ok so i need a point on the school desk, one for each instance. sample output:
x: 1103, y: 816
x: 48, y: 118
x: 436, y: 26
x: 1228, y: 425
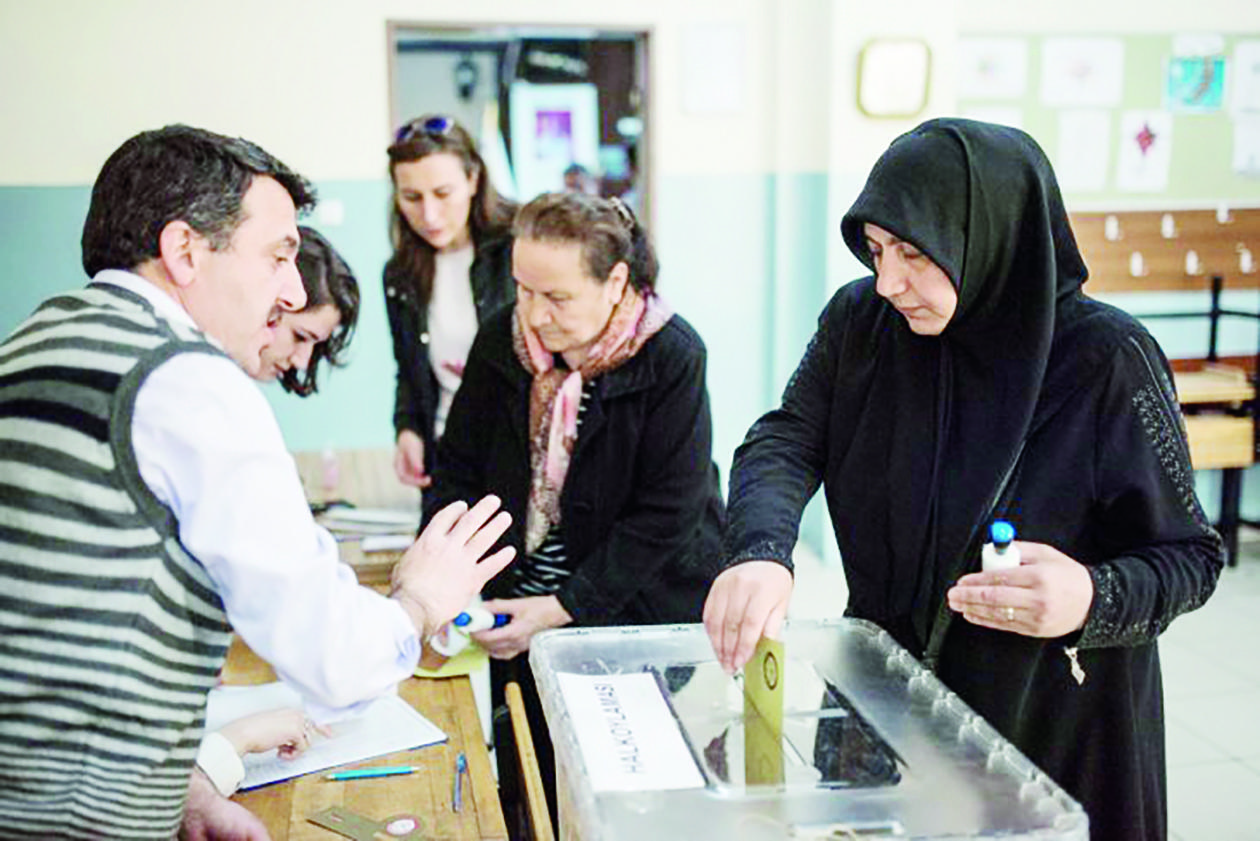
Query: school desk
x: 427, y: 794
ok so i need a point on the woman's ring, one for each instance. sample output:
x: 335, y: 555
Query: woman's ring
x: 1010, y: 614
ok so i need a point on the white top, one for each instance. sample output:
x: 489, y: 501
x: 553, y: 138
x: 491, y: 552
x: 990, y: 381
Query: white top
x: 219, y: 761
x: 208, y: 446
x: 452, y: 326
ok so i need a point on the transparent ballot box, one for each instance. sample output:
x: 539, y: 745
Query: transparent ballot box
x: 654, y: 741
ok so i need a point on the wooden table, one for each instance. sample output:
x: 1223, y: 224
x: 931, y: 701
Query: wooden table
x: 448, y: 703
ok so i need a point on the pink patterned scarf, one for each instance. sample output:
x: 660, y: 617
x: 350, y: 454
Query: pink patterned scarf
x: 555, y: 396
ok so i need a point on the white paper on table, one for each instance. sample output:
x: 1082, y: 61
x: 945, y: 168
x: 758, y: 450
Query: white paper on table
x: 1084, y: 149
x: 1082, y: 72
x: 629, y: 739
x: 369, y: 520
x: 386, y: 725
x: 387, y: 542
x: 1145, y: 151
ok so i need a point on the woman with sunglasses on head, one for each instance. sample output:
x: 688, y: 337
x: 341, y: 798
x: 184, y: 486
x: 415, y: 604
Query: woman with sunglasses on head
x: 322, y: 329
x: 450, y: 269
x: 585, y: 409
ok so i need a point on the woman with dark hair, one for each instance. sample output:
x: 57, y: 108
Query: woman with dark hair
x: 585, y: 409
x: 323, y: 328
x: 970, y: 378
x: 450, y: 269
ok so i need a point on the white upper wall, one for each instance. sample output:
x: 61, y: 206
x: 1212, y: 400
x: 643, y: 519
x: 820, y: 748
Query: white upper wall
x: 1124, y: 17
x: 308, y: 81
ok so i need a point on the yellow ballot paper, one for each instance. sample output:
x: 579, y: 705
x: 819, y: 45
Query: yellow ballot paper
x: 763, y: 714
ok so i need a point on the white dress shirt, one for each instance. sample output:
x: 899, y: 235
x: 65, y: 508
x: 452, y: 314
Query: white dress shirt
x: 208, y: 446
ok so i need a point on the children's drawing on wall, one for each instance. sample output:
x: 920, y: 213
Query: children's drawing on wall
x: 1082, y: 72
x: 1145, y: 151
x: 1084, y: 149
x: 992, y: 68
x: 1245, y: 81
x: 1195, y: 83
x: 1247, y: 145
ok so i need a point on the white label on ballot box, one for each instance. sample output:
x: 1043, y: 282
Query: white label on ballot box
x: 629, y: 739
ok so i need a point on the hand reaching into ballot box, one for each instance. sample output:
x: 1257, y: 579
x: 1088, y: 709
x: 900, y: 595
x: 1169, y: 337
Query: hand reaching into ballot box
x: 745, y: 603
x: 444, y: 569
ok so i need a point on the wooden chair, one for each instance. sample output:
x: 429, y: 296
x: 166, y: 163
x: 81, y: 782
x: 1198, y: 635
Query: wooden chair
x: 531, y: 776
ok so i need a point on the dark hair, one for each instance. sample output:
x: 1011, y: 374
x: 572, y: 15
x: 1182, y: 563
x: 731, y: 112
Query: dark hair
x: 328, y: 280
x: 605, y: 228
x: 413, y: 260
x: 169, y: 174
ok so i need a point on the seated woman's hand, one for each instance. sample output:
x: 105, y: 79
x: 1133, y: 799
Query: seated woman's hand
x: 529, y: 615
x: 1048, y: 595
x: 284, y: 728
x: 745, y: 603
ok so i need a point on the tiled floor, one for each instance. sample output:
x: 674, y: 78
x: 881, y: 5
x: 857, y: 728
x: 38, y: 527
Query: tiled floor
x: 1211, y: 664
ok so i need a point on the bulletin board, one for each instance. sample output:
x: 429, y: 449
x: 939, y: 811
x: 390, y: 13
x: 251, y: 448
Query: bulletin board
x: 1127, y: 119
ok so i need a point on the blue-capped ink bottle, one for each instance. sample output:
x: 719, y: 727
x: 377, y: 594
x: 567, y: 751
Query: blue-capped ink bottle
x: 1000, y: 552
x: 455, y: 635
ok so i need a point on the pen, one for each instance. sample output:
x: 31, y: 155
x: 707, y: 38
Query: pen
x: 461, y: 765
x: 381, y: 771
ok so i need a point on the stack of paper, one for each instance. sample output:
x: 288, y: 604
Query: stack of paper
x: 346, y: 522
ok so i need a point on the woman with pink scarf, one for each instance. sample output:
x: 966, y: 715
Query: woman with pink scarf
x: 584, y: 408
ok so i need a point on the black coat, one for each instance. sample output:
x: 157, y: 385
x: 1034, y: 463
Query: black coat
x: 1105, y: 479
x: 641, y: 508
x: 416, y: 393
x: 1034, y: 404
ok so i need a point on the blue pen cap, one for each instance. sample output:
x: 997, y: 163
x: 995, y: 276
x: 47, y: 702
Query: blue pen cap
x: 464, y: 618
x: 1001, y: 533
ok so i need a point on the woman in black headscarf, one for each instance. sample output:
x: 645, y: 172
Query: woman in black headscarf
x: 971, y: 379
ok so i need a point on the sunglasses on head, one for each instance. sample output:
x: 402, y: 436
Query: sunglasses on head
x: 435, y: 127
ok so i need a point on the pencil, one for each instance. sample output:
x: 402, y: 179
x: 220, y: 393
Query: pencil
x: 379, y: 771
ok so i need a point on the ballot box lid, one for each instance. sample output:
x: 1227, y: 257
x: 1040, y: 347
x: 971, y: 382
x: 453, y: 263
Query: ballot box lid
x: 840, y: 734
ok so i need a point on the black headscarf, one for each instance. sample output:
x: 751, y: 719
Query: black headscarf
x: 944, y: 417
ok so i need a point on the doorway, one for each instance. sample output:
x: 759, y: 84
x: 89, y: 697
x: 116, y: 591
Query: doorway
x: 552, y: 108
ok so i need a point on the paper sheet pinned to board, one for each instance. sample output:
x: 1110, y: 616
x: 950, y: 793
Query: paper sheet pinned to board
x: 386, y: 725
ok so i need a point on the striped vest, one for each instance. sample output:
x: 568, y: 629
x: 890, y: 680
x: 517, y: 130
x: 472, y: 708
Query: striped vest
x: 111, y: 634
